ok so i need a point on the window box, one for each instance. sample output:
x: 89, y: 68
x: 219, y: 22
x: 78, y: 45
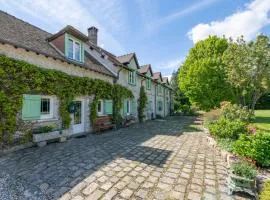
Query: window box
x: 41, y: 139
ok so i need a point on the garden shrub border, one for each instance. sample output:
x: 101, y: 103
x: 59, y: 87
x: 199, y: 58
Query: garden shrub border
x: 19, y: 77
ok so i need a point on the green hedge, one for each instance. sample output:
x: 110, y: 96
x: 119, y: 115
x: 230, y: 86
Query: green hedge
x: 225, y: 128
x: 256, y: 147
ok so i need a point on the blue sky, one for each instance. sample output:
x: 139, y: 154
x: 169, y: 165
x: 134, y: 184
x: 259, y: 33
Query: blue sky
x: 160, y: 32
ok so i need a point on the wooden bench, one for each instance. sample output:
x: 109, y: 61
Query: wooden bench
x: 104, y: 123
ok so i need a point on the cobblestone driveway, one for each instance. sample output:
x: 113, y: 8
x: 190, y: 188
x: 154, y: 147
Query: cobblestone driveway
x: 155, y: 160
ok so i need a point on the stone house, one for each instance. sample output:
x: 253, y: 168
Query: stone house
x: 74, y: 53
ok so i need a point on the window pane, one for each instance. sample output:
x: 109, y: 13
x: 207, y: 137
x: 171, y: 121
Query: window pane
x: 77, y: 51
x: 45, y: 106
x: 127, y: 106
x: 99, y: 106
x: 70, y: 48
x: 78, y: 112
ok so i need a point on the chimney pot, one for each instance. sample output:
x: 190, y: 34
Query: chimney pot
x: 93, y: 34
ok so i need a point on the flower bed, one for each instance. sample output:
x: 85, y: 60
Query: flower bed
x: 230, y: 131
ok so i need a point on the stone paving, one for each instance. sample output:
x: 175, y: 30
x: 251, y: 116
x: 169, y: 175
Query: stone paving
x: 154, y: 160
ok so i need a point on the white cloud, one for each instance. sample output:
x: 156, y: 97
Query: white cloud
x: 167, y: 67
x: 76, y: 13
x: 247, y: 22
x: 169, y: 77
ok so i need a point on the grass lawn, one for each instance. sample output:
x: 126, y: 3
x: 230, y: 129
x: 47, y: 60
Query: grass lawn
x: 262, y: 119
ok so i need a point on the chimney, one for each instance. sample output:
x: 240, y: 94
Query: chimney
x: 93, y: 34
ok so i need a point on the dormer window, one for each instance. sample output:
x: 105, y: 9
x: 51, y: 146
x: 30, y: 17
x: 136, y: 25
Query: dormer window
x: 74, y: 50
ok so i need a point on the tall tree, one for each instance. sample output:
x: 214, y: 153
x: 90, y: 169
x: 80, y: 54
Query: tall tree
x: 202, y: 77
x: 180, y: 98
x: 248, y: 69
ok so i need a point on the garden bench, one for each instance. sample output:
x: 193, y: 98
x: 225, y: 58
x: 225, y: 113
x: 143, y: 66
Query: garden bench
x: 104, y: 123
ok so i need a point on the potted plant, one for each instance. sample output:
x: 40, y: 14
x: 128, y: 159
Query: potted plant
x: 242, y: 178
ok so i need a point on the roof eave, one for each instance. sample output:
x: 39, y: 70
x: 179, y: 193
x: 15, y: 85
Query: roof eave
x: 56, y: 58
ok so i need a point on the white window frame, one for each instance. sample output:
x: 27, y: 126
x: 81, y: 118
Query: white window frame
x: 50, y: 115
x: 73, y: 48
x: 148, y: 84
x: 100, y: 113
x: 131, y: 77
x: 128, y: 107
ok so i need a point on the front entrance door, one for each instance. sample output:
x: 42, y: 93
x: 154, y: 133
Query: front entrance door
x: 78, y: 117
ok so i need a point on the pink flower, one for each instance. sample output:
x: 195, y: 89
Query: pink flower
x: 252, y: 130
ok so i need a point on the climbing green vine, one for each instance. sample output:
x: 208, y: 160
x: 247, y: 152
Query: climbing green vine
x: 19, y: 77
x: 142, y: 103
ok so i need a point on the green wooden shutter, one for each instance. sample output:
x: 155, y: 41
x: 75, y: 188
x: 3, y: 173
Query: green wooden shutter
x: 108, y: 107
x: 31, y: 107
x: 128, y: 76
x: 135, y: 77
x: 133, y: 107
x: 125, y: 107
x: 82, y: 52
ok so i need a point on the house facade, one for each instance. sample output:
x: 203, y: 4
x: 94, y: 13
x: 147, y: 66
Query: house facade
x: 76, y: 54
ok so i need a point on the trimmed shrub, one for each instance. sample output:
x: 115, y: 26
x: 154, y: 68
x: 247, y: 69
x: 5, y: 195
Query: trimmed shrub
x: 256, y: 147
x: 236, y: 112
x: 244, y: 169
x: 224, y: 128
x: 265, y: 194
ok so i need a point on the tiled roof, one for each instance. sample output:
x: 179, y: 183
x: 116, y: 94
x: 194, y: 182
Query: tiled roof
x: 94, y: 65
x: 165, y: 80
x: 71, y: 30
x: 156, y: 75
x: 111, y: 57
x: 125, y: 58
x: 24, y: 35
x: 144, y: 69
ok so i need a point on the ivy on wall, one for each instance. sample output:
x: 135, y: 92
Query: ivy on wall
x: 19, y: 77
x: 142, y: 103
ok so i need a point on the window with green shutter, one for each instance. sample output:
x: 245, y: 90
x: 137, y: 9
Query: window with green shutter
x: 31, y: 107
x: 108, y: 107
x: 134, y: 107
x: 148, y: 84
x: 132, y: 77
x: 127, y: 107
